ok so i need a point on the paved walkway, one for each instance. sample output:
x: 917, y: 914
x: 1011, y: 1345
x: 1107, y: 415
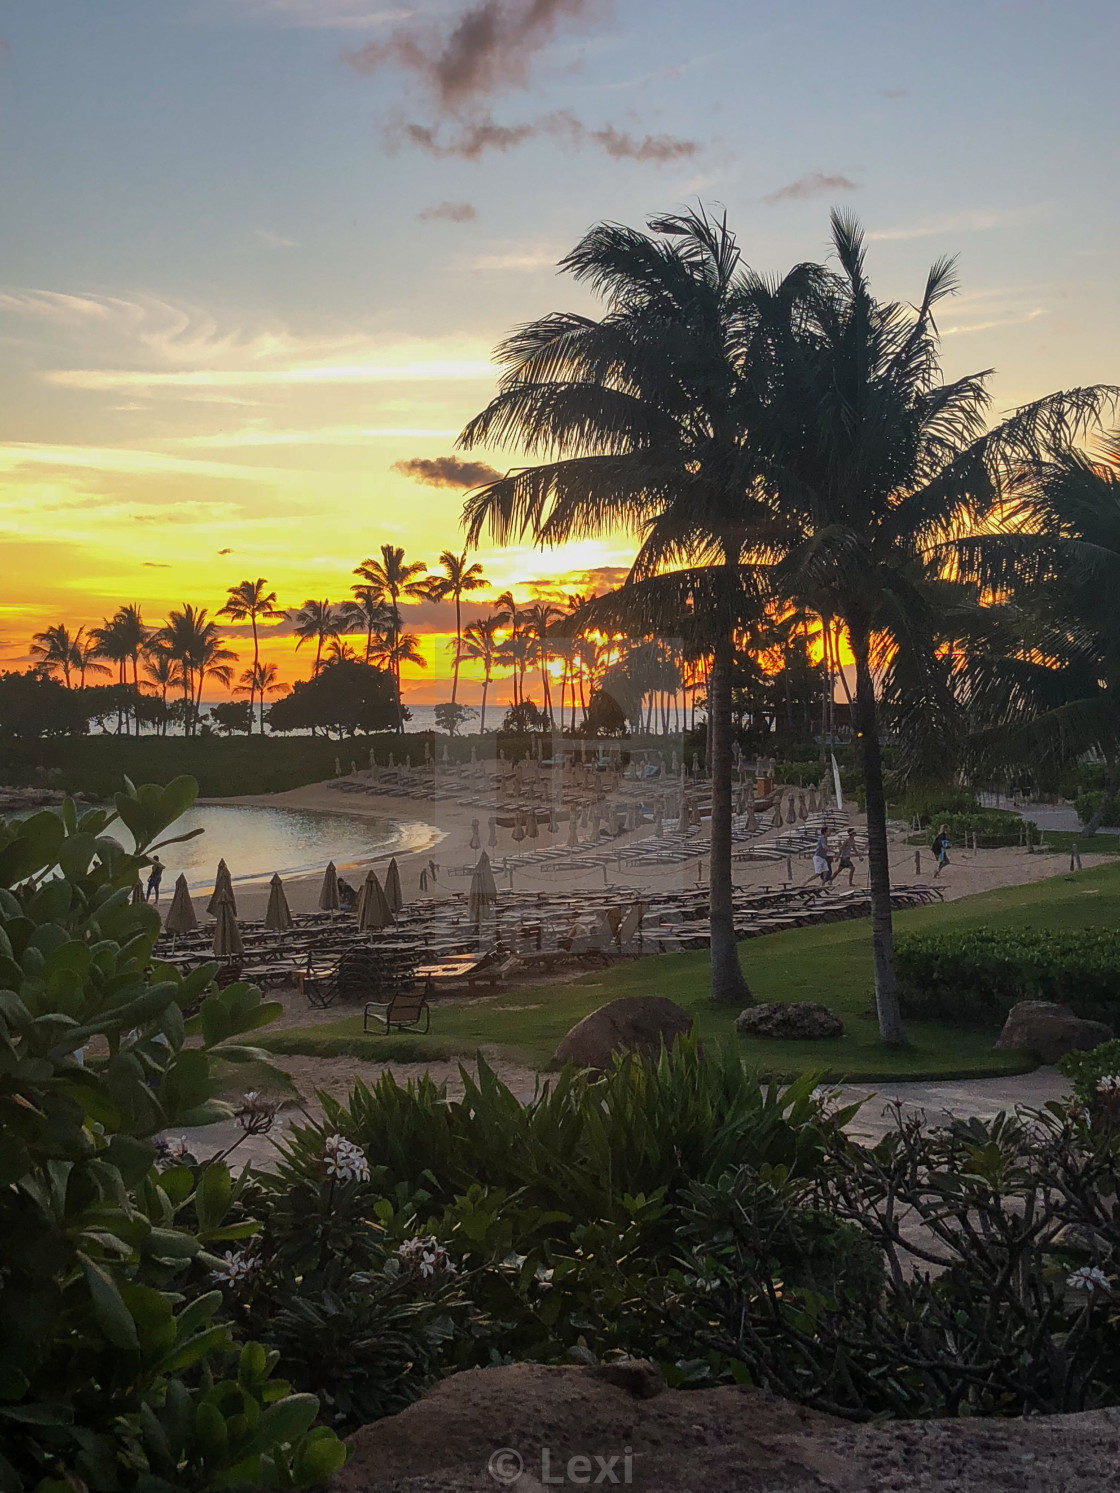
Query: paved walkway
x: 961, y: 1099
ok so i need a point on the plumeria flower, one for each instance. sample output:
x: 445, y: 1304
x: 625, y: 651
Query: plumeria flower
x: 345, y: 1161
x: 171, y: 1149
x: 1109, y: 1086
x: 240, y: 1265
x: 1088, y: 1278
x: 426, y: 1257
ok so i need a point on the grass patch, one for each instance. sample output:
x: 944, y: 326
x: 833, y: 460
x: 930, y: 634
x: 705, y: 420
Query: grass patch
x: 831, y: 963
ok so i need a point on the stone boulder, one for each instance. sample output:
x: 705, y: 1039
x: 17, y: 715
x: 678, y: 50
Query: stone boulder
x: 795, y: 1020
x: 528, y: 1427
x: 1049, y: 1031
x: 637, y: 1023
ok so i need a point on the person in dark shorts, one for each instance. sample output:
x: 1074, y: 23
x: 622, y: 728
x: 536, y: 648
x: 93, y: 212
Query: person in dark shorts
x: 155, y: 876
x: 940, y: 848
x: 848, y: 857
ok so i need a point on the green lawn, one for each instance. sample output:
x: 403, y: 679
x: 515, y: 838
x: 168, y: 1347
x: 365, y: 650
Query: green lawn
x: 831, y: 963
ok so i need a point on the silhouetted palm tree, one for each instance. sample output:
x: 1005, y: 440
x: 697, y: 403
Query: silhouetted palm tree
x: 395, y: 578
x: 391, y: 650
x: 59, y: 651
x: 318, y: 620
x: 458, y: 579
x: 366, y: 613
x: 195, y: 644
x: 480, y: 642
x: 538, y: 619
x: 252, y: 599
x: 258, y: 681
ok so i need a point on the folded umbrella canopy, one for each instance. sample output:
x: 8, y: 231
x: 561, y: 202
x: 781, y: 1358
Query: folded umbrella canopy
x: 483, y: 892
x: 223, y: 886
x: 518, y: 827
x: 532, y: 829
x: 373, y: 908
x: 227, y: 935
x: 328, y: 892
x: 476, y: 841
x: 573, y: 827
x: 278, y: 915
x: 180, y: 915
x: 492, y: 837
x: 393, y: 894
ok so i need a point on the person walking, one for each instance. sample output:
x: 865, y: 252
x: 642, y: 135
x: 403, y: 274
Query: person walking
x: 848, y: 857
x: 940, y: 848
x: 822, y: 861
x: 155, y: 876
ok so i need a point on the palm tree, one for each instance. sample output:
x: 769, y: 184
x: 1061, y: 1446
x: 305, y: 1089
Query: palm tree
x: 250, y: 600
x: 121, y: 639
x: 458, y: 578
x: 641, y: 423
x: 876, y: 465
x: 58, y: 651
x: 480, y: 642
x: 1051, y: 693
x: 194, y: 643
x: 318, y: 620
x: 161, y: 670
x: 258, y: 681
x: 395, y: 578
x: 391, y: 650
x: 366, y: 613
x: 538, y: 619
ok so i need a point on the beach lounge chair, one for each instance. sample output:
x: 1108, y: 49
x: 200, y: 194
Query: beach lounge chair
x: 407, y: 1012
x: 358, y: 974
x: 628, y: 936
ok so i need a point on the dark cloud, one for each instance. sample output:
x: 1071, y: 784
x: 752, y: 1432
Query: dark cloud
x: 449, y: 212
x: 894, y: 92
x: 225, y: 552
x: 485, y: 50
x: 469, y: 141
x: 447, y: 471
x: 156, y: 564
x: 815, y: 184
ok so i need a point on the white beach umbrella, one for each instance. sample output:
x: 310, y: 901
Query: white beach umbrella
x: 227, y: 935
x: 278, y: 915
x: 483, y: 892
x: 181, y: 914
x: 328, y: 892
x: 393, y: 894
x: 223, y: 886
x: 492, y: 837
x: 374, y: 911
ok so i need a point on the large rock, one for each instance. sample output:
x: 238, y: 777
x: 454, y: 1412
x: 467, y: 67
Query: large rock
x: 800, y: 1020
x: 472, y: 1433
x: 1050, y: 1031
x: 637, y: 1023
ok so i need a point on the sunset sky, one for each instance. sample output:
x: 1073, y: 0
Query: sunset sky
x: 255, y: 253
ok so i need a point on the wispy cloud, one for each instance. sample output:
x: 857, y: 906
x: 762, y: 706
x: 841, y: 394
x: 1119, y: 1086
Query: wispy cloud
x: 321, y: 15
x: 275, y: 240
x: 449, y: 371
x: 997, y: 321
x: 518, y: 257
x: 127, y: 462
x: 813, y: 184
x: 449, y: 212
x: 470, y: 140
x: 965, y: 222
x: 328, y: 435
x: 447, y: 471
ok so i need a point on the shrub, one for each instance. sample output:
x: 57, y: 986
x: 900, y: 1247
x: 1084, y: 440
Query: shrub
x: 991, y: 828
x: 1087, y: 805
x: 935, y: 806
x: 119, y: 1367
x: 975, y: 976
x: 1088, y: 1069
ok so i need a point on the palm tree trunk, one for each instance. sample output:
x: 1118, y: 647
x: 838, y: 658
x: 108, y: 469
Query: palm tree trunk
x: 253, y: 681
x: 485, y: 689
x: 728, y: 985
x: 458, y: 645
x: 878, y: 859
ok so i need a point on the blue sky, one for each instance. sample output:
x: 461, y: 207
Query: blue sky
x: 234, y: 293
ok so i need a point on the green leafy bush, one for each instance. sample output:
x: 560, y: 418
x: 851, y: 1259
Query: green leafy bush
x: 119, y: 1368
x: 991, y: 828
x: 935, y: 805
x: 1089, y: 1069
x: 975, y: 976
x: 1087, y: 805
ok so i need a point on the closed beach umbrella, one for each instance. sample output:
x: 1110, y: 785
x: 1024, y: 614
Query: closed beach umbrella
x: 476, y: 841
x: 227, y: 935
x: 278, y: 915
x: 374, y: 911
x: 483, y: 892
x: 778, y: 813
x: 551, y: 819
x: 573, y: 827
x: 532, y: 829
x: 802, y: 806
x: 752, y: 817
x: 492, y: 837
x: 328, y: 892
x: 518, y: 827
x: 658, y: 827
x: 223, y: 886
x: 393, y: 894
x: 180, y: 915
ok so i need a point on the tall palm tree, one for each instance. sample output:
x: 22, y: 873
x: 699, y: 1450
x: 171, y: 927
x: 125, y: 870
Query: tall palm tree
x: 480, y: 642
x: 877, y: 465
x: 395, y: 577
x: 641, y: 421
x: 538, y: 619
x: 258, y: 681
x: 193, y: 641
x: 391, y: 650
x: 121, y: 639
x: 249, y: 600
x: 318, y: 620
x: 161, y: 669
x: 458, y: 578
x: 1047, y: 688
x: 59, y: 651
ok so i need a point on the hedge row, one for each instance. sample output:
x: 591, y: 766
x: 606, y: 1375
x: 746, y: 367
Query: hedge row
x: 974, y: 978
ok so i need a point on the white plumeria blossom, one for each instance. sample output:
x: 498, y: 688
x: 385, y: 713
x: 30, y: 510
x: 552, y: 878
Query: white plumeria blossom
x: 426, y: 1256
x: 345, y: 1161
x: 1088, y: 1278
x: 1110, y: 1085
x: 239, y: 1266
